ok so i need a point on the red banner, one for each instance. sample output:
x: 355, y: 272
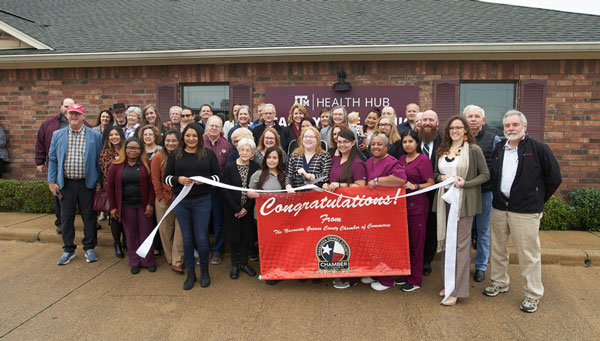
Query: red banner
x: 320, y: 235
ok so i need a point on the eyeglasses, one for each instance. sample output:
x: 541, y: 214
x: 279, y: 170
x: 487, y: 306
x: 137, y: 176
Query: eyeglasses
x: 385, y: 125
x: 269, y: 138
x: 343, y: 142
x: 456, y: 128
x: 189, y: 115
x: 309, y: 137
x: 133, y: 148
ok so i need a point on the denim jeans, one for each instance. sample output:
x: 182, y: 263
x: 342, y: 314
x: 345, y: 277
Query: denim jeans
x: 481, y: 224
x: 217, y: 219
x: 193, y: 216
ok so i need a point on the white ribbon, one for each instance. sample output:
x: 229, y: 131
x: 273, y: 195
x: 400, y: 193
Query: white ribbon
x: 452, y: 197
x: 143, y: 250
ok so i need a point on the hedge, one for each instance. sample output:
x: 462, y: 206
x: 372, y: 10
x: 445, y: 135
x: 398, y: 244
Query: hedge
x: 29, y: 196
x: 582, y: 212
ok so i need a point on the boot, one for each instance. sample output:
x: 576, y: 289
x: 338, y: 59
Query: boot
x: 189, y: 281
x: 118, y: 250
x: 235, y: 269
x: 204, y: 277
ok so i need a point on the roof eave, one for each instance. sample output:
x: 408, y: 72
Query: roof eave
x: 512, y: 51
x: 24, y: 37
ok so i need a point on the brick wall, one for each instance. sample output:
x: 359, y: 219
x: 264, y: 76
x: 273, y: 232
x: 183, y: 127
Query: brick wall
x: 28, y: 97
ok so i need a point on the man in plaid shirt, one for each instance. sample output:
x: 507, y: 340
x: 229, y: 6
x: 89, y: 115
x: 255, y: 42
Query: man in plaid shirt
x: 73, y: 174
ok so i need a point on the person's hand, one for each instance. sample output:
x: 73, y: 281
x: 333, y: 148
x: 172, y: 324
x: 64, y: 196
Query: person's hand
x: 363, y: 147
x: 326, y: 186
x: 114, y: 213
x: 241, y: 213
x: 289, y: 188
x: 302, y: 172
x: 410, y: 185
x: 41, y: 168
x: 459, y: 182
x: 371, y: 184
x: 184, y: 180
x: 149, y: 211
x: 98, y: 187
x: 55, y: 190
x: 252, y: 194
x: 198, y: 182
x: 333, y: 186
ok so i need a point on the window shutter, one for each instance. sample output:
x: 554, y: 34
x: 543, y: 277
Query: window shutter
x: 166, y: 97
x: 532, y: 103
x: 240, y: 92
x: 445, y: 100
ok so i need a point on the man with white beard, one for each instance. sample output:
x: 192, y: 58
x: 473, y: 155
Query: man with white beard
x: 524, y: 175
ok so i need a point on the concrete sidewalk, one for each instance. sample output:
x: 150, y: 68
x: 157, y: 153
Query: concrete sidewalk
x: 558, y: 247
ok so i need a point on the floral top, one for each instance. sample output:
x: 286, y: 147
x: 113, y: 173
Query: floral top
x: 107, y: 156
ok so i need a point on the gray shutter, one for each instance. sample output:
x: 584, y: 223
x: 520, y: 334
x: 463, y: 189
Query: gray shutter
x: 445, y: 100
x: 532, y: 103
x: 166, y: 97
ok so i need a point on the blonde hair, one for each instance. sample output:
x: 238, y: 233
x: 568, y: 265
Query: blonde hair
x: 300, y: 108
x: 300, y: 150
x: 393, y: 136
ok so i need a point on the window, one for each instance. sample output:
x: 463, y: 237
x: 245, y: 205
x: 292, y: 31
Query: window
x: 217, y: 95
x: 495, y: 98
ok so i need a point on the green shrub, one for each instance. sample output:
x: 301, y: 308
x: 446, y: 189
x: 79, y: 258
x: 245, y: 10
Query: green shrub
x: 586, y: 208
x: 29, y: 196
x: 557, y: 214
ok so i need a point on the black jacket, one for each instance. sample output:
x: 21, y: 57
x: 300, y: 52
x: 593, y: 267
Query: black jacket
x: 260, y: 129
x: 538, y: 177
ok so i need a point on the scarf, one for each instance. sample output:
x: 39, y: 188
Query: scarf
x: 462, y: 167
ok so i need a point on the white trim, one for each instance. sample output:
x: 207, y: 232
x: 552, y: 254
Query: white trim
x: 566, y: 50
x: 27, y: 39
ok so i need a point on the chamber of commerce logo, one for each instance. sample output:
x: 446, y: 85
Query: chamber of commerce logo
x: 333, y: 254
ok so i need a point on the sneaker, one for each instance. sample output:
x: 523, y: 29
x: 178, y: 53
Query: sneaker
x: 66, y: 258
x: 339, y: 284
x: 399, y: 281
x: 90, y: 256
x: 101, y: 217
x: 407, y: 287
x: 367, y: 280
x: 379, y: 287
x: 216, y: 259
x: 529, y: 305
x: 494, y: 290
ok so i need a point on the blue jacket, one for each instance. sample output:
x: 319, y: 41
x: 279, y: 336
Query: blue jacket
x: 58, y: 154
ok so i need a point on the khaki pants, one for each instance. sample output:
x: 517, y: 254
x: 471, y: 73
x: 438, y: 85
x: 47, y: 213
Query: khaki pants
x: 524, y: 230
x: 170, y: 235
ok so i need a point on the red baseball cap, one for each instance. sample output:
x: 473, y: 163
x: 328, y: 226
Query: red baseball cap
x: 77, y: 108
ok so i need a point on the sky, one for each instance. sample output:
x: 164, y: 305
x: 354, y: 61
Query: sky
x: 577, y: 6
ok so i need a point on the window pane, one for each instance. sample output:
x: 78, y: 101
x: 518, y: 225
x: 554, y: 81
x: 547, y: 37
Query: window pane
x: 495, y: 98
x: 215, y: 95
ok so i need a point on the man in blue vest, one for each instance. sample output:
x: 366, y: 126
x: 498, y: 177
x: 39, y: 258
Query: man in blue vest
x: 73, y: 174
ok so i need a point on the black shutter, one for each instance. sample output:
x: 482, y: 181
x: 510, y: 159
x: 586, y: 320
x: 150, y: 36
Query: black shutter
x: 445, y: 100
x: 166, y: 97
x: 532, y: 103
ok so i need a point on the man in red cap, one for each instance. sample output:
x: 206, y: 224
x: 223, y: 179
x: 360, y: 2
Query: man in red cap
x: 73, y: 174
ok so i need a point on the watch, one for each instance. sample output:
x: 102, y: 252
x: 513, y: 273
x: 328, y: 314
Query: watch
x: 376, y: 181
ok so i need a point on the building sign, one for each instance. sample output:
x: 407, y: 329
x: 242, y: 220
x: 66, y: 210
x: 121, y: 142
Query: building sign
x: 359, y: 98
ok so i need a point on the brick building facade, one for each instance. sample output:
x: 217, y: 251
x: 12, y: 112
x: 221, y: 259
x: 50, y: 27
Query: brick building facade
x: 571, y: 110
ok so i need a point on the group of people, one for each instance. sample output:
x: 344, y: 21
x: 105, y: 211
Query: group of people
x: 142, y: 164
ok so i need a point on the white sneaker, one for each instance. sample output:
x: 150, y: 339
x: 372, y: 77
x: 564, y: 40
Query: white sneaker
x: 367, y: 280
x: 379, y: 287
x: 101, y: 217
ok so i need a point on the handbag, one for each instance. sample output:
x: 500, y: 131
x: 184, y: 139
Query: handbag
x: 100, y: 203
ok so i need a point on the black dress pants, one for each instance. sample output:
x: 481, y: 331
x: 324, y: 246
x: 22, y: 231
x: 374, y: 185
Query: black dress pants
x: 75, y: 193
